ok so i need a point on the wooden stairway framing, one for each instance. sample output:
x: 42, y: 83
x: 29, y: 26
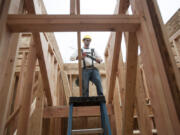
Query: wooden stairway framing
x: 125, y: 90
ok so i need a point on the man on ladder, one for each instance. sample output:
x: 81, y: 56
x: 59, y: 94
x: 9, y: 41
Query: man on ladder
x: 89, y: 72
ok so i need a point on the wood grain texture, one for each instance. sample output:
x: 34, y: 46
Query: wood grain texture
x: 8, y: 47
x: 166, y: 117
x: 131, y: 70
x: 55, y: 23
x: 23, y: 119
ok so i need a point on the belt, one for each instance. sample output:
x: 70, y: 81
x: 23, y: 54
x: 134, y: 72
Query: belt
x: 88, y: 67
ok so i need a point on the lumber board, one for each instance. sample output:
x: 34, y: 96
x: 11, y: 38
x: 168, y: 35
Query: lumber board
x: 8, y: 47
x: 36, y: 119
x: 29, y: 5
x: 142, y: 110
x: 117, y: 108
x: 130, y: 86
x: 72, y: 7
x: 41, y: 54
x: 166, y: 54
x: 23, y: 120
x: 12, y: 116
x: 174, y: 36
x: 62, y: 111
x: 166, y: 118
x: 66, y: 85
x: 19, y: 92
x: 114, y: 66
x: 59, y: 23
x: 79, y: 62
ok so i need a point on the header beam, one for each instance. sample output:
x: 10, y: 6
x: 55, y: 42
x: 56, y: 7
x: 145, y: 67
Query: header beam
x: 65, y: 23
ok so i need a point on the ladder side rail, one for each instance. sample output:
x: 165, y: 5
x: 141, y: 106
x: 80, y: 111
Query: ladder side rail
x: 70, y: 119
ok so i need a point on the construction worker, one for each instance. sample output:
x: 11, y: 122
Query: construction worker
x: 89, y: 71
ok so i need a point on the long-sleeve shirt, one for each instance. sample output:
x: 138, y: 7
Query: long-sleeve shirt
x: 88, y: 61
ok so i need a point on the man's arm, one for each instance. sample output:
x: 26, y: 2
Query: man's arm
x: 97, y: 56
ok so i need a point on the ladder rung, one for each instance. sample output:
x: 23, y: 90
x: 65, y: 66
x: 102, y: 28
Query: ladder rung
x: 137, y: 132
x: 87, y: 131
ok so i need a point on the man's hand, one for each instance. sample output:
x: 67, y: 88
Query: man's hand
x: 83, y: 55
x: 98, y: 60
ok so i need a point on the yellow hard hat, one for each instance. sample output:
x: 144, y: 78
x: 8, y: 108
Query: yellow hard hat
x: 87, y: 37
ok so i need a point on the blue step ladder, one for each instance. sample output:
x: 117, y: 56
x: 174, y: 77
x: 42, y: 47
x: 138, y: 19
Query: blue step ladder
x: 89, y: 101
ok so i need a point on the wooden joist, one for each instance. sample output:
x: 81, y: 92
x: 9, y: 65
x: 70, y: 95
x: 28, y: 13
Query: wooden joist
x: 62, y: 111
x: 59, y: 23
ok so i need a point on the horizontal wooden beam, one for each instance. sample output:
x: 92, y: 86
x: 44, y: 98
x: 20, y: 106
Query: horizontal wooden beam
x: 62, y: 111
x: 62, y: 23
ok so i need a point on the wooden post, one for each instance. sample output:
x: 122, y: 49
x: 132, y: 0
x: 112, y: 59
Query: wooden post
x: 79, y: 63
x: 117, y: 109
x: 142, y: 109
x: 23, y: 120
x: 65, y: 83
x: 41, y: 56
x: 71, y: 82
x: 43, y: 67
x: 131, y: 67
x: 114, y: 66
x: 162, y: 76
x: 75, y: 10
x: 8, y: 47
x: 72, y: 7
x: 21, y: 80
x: 79, y: 49
x: 35, y: 126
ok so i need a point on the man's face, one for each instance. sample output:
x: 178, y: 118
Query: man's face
x: 87, y: 42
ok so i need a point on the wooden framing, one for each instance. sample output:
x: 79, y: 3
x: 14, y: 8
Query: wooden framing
x: 27, y: 93
x: 43, y: 67
x: 66, y: 85
x: 57, y: 23
x: 8, y: 46
x: 162, y: 101
x: 125, y: 92
x: 142, y: 109
x: 36, y: 117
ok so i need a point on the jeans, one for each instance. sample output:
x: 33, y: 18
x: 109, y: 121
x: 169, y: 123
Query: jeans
x: 92, y: 75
